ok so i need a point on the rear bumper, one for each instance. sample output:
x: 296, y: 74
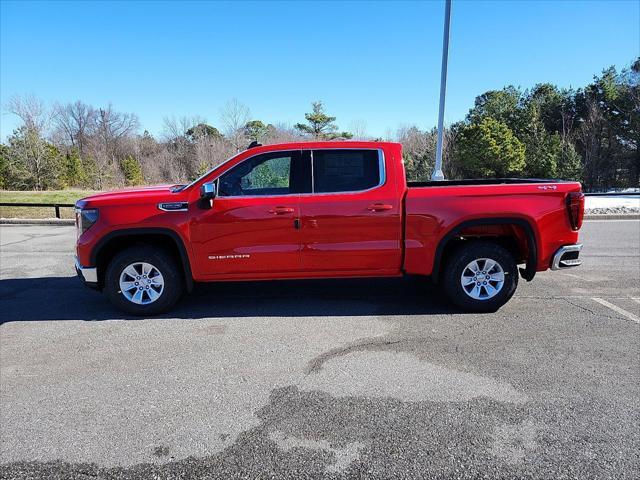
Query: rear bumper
x: 567, y: 257
x: 88, y: 275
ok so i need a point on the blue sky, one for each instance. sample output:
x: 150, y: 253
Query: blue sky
x: 372, y: 61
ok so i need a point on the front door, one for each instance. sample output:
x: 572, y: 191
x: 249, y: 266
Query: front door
x: 253, y: 224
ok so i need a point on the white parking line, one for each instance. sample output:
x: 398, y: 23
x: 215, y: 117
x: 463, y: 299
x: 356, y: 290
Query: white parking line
x: 635, y: 299
x: 617, y: 309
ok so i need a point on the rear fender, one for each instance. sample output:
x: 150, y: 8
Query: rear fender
x: 528, y: 273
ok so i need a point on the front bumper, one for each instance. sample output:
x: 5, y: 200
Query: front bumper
x: 88, y: 275
x: 567, y: 257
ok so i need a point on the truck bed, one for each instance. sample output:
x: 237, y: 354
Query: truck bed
x: 528, y: 206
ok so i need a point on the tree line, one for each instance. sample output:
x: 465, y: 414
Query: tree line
x: 590, y: 134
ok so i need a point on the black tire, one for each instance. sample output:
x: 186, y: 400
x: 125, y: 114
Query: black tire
x: 163, y: 262
x: 456, y: 265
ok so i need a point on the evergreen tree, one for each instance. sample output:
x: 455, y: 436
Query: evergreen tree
x: 5, y: 170
x: 132, y: 171
x: 542, y: 149
x: 569, y: 164
x: 201, y: 170
x: 72, y: 171
x: 320, y: 125
x: 489, y: 149
x: 256, y: 130
x: 202, y: 130
x: 34, y: 163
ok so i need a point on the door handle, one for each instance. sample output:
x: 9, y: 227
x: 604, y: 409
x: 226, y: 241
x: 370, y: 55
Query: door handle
x: 379, y: 207
x: 281, y: 210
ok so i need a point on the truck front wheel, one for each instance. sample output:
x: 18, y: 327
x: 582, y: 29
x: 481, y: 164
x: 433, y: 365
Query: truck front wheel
x: 480, y: 276
x: 143, y: 281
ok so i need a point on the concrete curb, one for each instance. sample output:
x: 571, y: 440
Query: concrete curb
x: 612, y: 216
x: 37, y: 221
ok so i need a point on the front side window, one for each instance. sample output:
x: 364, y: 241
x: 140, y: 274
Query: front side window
x: 269, y: 174
x: 345, y: 170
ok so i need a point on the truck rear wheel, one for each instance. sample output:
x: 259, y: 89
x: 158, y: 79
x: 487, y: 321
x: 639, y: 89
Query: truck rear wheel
x: 480, y: 276
x: 143, y: 281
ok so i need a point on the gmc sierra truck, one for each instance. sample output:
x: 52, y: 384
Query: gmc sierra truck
x: 325, y: 210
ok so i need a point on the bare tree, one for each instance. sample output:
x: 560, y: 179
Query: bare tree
x: 105, y: 146
x: 177, y: 127
x: 155, y: 159
x: 590, y: 134
x: 114, y: 125
x: 181, y: 158
x: 415, y: 141
x: 358, y: 128
x: 451, y: 168
x: 31, y: 110
x: 211, y: 152
x: 419, y: 151
x: 234, y: 116
x: 283, y: 133
x: 77, y: 121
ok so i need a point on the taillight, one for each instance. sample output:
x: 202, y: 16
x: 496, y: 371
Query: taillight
x: 575, y: 209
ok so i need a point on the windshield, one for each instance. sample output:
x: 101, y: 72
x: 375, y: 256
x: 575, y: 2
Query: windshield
x: 180, y: 188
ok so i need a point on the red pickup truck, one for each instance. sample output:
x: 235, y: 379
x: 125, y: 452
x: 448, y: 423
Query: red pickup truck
x: 325, y: 210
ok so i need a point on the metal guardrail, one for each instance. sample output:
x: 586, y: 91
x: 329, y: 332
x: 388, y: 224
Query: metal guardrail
x: 56, y: 206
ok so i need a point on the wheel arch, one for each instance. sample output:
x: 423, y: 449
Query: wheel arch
x: 115, y: 241
x: 528, y: 273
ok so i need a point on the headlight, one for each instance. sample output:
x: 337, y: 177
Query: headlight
x: 85, y: 217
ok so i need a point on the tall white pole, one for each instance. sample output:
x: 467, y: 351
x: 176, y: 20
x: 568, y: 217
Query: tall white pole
x: 437, y: 174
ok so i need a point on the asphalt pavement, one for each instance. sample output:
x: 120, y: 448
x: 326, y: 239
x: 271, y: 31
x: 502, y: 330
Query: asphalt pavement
x: 321, y: 379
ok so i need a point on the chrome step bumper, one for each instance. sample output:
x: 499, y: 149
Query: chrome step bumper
x: 567, y: 257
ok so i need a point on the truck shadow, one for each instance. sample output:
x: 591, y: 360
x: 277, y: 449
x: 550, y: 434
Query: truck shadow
x: 65, y: 298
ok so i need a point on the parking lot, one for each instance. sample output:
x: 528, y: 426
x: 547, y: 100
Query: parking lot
x: 321, y: 379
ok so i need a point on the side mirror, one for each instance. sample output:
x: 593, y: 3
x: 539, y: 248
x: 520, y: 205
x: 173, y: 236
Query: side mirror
x: 208, y: 191
x: 207, y: 194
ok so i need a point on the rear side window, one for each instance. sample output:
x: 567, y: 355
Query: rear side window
x: 345, y: 170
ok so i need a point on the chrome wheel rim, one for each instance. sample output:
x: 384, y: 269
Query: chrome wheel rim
x: 482, y: 279
x: 141, y: 283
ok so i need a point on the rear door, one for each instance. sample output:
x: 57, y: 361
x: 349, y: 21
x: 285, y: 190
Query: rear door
x: 351, y: 222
